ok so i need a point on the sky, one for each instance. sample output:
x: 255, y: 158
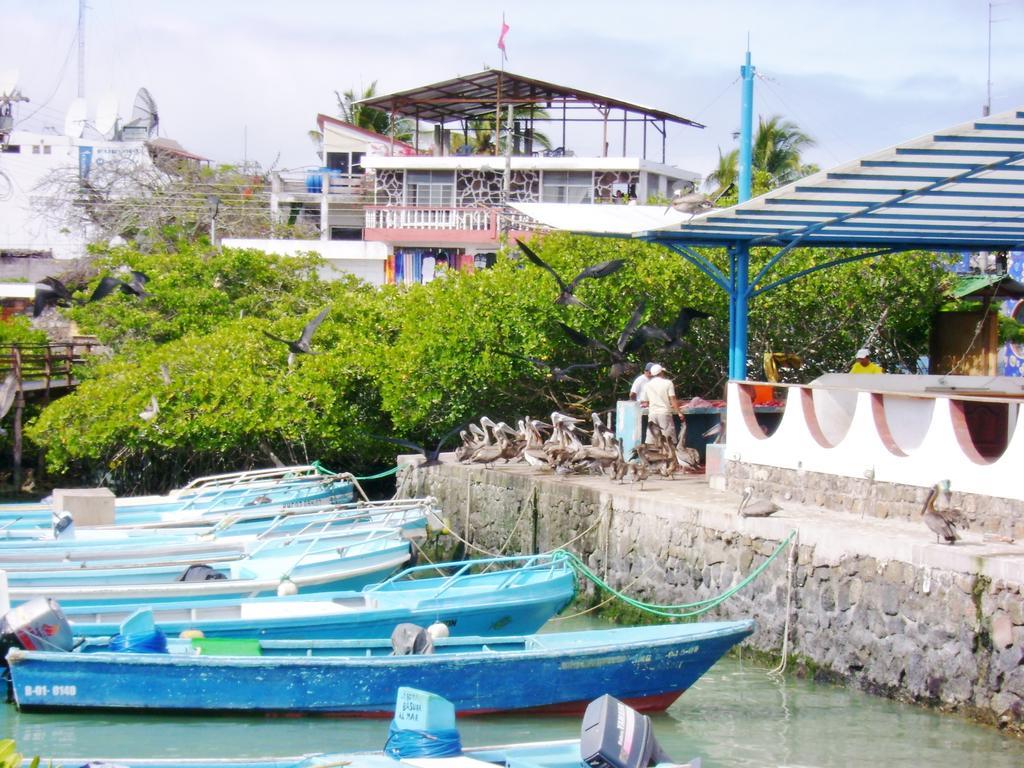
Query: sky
x: 245, y: 79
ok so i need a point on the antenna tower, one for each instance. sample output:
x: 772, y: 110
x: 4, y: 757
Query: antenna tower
x: 81, y: 49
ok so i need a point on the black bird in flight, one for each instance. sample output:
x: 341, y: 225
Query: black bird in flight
x: 431, y: 455
x: 49, y: 291
x: 135, y: 287
x: 626, y: 344
x: 566, y: 296
x: 301, y: 345
x: 676, y: 332
x: 558, y: 373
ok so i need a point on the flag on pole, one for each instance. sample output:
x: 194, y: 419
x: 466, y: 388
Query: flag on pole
x: 501, y: 38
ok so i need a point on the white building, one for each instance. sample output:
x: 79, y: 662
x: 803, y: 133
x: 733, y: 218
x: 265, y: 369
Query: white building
x: 447, y: 204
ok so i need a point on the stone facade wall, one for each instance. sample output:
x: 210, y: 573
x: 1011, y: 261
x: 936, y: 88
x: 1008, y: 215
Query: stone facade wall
x: 1003, y: 518
x: 474, y: 187
x: 951, y: 640
x: 388, y: 187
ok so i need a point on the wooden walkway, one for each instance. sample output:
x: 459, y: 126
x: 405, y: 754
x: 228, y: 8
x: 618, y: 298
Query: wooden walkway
x: 38, y: 370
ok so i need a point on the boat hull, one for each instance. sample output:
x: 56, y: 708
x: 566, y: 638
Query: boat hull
x: 517, y: 602
x: 560, y: 671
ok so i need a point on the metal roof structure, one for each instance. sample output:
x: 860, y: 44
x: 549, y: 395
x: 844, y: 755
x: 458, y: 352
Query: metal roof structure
x: 998, y: 286
x: 958, y: 189
x: 470, y: 96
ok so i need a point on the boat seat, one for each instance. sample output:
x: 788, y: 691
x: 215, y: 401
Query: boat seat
x: 274, y: 609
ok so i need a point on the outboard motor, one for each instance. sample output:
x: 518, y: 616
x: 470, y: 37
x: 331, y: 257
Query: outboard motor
x: 36, y: 625
x: 615, y: 735
x: 63, y: 525
x: 200, y: 572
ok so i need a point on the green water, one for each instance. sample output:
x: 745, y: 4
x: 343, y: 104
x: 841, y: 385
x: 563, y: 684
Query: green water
x: 736, y: 715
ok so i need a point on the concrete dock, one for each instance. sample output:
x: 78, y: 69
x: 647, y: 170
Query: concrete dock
x: 871, y: 601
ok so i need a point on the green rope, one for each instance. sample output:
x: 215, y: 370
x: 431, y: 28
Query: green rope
x: 675, y: 611
x: 325, y: 471
x: 379, y: 475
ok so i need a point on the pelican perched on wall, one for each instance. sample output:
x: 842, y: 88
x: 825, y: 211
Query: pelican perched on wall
x: 751, y: 507
x: 942, y: 522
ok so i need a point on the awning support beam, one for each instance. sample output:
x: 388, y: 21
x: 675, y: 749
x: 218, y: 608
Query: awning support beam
x: 701, y: 263
x: 825, y: 265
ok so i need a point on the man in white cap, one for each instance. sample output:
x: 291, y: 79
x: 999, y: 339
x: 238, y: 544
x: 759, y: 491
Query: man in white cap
x: 864, y: 364
x: 662, y: 403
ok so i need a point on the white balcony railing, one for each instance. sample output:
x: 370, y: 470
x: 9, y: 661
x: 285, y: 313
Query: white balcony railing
x: 318, y: 182
x: 417, y: 217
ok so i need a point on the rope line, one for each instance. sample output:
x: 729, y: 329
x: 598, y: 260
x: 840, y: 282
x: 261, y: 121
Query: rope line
x: 681, y: 610
x: 790, y: 568
x: 379, y: 475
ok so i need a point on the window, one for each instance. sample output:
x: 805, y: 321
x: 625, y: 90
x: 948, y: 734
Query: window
x: 346, y: 233
x: 429, y: 188
x: 12, y: 149
x: 567, y: 187
x: 346, y: 162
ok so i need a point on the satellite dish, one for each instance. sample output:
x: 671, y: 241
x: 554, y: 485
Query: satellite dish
x: 8, y: 82
x: 106, y: 115
x: 144, y: 113
x: 74, y: 123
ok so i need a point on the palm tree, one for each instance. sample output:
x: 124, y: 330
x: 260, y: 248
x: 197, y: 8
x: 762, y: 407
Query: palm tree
x: 727, y: 170
x: 777, y: 147
x: 481, y: 130
x: 367, y: 118
x: 776, y: 158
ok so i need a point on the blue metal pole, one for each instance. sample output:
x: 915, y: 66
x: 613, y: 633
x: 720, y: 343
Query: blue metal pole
x: 738, y: 306
x: 746, y: 129
x: 733, y: 297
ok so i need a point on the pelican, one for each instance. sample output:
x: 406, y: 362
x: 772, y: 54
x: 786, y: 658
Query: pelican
x: 751, y: 507
x: 688, y: 458
x: 150, y: 412
x: 943, y: 523
x: 695, y: 202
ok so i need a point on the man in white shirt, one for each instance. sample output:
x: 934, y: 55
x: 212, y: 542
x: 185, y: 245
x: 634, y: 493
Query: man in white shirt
x: 636, y: 392
x: 662, y: 403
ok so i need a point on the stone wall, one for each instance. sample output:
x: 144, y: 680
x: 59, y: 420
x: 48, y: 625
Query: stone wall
x: 1003, y: 518
x: 950, y: 639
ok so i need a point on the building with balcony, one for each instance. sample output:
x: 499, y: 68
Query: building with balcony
x: 492, y: 139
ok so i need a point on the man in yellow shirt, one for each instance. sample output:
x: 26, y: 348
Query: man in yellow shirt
x: 864, y: 364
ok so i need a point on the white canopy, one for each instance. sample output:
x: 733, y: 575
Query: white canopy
x: 603, y: 219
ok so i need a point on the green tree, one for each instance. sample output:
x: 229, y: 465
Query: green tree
x: 479, y: 132
x: 416, y: 361
x: 776, y: 158
x: 726, y: 172
x: 777, y: 150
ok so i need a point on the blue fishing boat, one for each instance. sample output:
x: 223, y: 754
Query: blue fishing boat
x: 205, y: 497
x: 375, y: 555
x: 424, y: 734
x: 478, y: 597
x: 647, y: 667
x: 236, y: 535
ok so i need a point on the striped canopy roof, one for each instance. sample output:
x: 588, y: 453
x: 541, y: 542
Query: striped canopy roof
x: 960, y: 189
